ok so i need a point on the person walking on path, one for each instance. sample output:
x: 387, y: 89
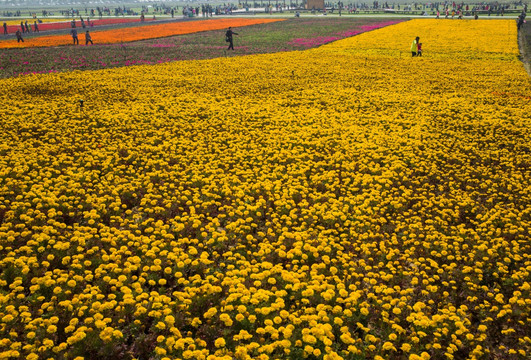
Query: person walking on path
x: 19, y: 36
x: 228, y: 38
x: 414, y: 46
x: 88, y: 38
x: 5, y: 28
x: 35, y: 27
x: 520, y: 21
x: 27, y: 27
x: 22, y: 27
x: 74, y: 36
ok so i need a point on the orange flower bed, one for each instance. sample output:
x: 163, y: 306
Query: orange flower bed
x: 135, y: 33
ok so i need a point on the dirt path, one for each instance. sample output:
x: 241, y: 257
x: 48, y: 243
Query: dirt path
x: 524, y: 43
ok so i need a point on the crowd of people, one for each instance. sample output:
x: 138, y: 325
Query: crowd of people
x: 73, y: 31
x: 206, y: 9
x: 25, y: 28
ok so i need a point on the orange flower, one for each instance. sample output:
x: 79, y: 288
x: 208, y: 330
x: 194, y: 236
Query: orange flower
x: 136, y: 33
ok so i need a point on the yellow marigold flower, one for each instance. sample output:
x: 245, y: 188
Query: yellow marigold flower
x: 160, y: 351
x: 397, y: 311
x: 211, y: 312
x: 219, y: 343
x: 225, y: 318
x: 405, y: 347
x: 388, y: 346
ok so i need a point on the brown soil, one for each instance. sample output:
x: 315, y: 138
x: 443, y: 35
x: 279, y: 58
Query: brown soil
x: 524, y: 43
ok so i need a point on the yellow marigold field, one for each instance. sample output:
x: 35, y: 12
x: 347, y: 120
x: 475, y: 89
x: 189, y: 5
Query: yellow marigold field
x: 347, y: 202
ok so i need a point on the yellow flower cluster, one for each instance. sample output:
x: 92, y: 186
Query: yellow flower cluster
x: 32, y: 20
x: 347, y: 202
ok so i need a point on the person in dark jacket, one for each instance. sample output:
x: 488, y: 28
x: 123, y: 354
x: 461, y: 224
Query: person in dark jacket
x: 74, y: 36
x: 19, y: 36
x: 228, y: 38
x: 88, y: 38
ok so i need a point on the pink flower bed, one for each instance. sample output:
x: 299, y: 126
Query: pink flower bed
x: 162, y: 45
x: 321, y: 40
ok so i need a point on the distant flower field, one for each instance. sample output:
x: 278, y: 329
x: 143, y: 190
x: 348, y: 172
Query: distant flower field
x: 56, y: 24
x: 288, y: 35
x: 31, y: 20
x: 135, y: 33
x: 343, y: 202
